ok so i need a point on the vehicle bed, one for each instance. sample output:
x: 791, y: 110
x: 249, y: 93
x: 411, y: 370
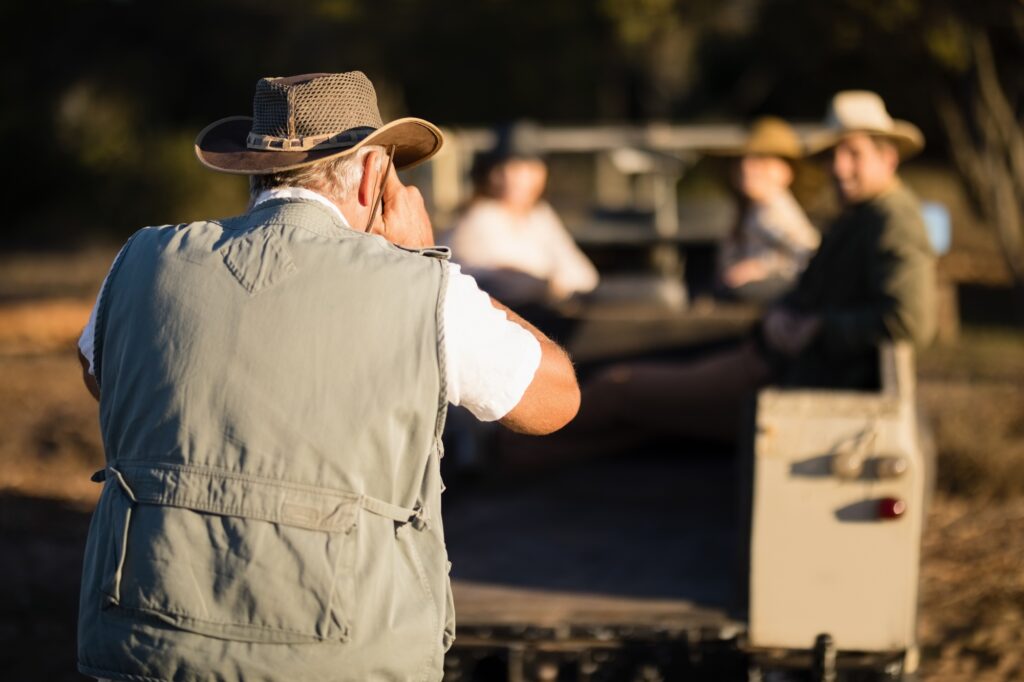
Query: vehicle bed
x: 640, y: 547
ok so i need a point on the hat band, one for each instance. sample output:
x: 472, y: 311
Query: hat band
x: 270, y: 143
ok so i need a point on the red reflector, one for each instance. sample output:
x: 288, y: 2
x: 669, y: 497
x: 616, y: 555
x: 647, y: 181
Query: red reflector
x: 891, y: 508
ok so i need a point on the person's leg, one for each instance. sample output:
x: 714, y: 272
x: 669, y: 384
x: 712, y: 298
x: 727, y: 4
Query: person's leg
x: 763, y: 291
x: 702, y: 398
x: 600, y: 428
x: 627, y: 405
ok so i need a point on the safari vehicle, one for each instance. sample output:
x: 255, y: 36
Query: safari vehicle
x: 795, y: 557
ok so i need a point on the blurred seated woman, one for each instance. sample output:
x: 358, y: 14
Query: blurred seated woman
x: 516, y: 247
x: 511, y: 240
x: 773, y: 239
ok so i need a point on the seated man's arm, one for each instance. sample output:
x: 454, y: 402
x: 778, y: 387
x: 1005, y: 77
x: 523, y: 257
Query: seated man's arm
x: 900, y: 298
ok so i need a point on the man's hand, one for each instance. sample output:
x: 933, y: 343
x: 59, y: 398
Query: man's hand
x: 790, y: 333
x: 747, y: 270
x: 404, y: 220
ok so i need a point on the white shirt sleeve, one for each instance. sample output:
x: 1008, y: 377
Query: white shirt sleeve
x: 87, y: 341
x: 490, y: 360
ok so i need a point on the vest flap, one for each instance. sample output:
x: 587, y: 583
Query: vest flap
x: 232, y: 494
x: 223, y: 576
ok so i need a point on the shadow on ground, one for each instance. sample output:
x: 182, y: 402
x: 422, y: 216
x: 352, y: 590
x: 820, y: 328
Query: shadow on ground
x: 41, y: 545
x: 636, y: 526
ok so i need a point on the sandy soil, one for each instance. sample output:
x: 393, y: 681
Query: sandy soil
x: 972, y: 590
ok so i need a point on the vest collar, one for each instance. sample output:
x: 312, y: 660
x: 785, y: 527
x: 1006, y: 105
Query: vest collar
x: 300, y: 195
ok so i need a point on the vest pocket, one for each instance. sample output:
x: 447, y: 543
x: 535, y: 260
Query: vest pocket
x: 228, y: 575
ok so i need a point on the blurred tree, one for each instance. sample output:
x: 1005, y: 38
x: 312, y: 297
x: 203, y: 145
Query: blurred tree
x: 986, y: 129
x: 659, y: 40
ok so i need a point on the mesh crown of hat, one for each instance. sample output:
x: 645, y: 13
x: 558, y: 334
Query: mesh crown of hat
x: 324, y: 104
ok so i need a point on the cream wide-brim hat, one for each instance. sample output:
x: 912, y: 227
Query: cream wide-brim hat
x: 863, y: 111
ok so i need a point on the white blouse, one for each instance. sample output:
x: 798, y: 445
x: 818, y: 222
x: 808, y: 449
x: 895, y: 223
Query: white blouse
x: 488, y: 237
x: 776, y: 233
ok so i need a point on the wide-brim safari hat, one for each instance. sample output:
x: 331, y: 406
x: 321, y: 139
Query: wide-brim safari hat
x: 300, y: 120
x: 768, y: 136
x: 862, y: 111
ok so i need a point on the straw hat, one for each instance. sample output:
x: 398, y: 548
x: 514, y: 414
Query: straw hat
x: 300, y: 120
x: 768, y: 136
x: 862, y: 111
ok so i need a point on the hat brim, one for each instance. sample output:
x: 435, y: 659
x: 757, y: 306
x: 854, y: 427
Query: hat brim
x: 907, y: 137
x: 222, y: 147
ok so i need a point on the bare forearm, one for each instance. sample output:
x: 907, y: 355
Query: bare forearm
x: 553, y: 397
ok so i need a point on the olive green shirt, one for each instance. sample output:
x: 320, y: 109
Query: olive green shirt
x: 872, y: 280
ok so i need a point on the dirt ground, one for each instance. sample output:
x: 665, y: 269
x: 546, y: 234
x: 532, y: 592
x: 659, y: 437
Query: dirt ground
x: 972, y: 598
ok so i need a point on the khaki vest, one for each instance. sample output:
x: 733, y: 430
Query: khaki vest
x: 272, y: 398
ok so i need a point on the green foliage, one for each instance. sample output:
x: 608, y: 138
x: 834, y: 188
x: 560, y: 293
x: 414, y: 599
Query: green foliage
x: 946, y: 41
x: 637, y: 22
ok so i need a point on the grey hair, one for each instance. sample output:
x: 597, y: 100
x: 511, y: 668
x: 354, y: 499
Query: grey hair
x: 336, y: 177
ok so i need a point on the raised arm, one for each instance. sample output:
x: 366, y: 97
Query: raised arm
x: 553, y: 397
x: 900, y: 298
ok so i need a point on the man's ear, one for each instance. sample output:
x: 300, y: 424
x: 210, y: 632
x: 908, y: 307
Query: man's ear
x: 368, y: 182
x: 894, y: 158
x: 788, y: 173
x: 889, y: 152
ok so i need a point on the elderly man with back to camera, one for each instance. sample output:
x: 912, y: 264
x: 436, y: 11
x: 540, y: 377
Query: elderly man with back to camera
x: 272, y: 391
